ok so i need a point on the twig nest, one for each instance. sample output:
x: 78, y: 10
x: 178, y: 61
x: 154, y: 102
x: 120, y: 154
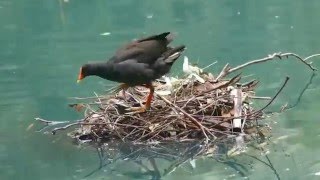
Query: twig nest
x: 183, y: 109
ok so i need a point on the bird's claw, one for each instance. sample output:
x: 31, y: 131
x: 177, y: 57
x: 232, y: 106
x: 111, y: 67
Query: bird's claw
x: 136, y: 110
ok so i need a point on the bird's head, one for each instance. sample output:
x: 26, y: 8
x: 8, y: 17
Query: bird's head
x: 84, y: 71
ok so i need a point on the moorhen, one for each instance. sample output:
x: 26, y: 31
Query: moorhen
x: 137, y: 63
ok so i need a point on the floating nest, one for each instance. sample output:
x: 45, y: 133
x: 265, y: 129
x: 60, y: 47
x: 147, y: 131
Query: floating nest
x: 195, y: 106
x: 191, y: 117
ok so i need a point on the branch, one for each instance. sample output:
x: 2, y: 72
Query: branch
x: 300, y: 94
x: 64, y: 127
x: 259, y: 97
x: 312, y: 56
x: 51, y: 123
x: 301, y: 59
x: 274, y: 97
x: 221, y: 85
x: 224, y: 72
x: 54, y: 123
x: 227, y: 70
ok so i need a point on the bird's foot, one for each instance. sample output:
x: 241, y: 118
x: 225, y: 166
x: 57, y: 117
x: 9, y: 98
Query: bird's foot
x: 137, y: 110
x: 143, y: 108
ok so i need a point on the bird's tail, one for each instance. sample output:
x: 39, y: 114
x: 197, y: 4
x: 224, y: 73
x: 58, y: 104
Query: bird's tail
x: 173, y: 54
x: 170, y: 37
x: 161, y: 36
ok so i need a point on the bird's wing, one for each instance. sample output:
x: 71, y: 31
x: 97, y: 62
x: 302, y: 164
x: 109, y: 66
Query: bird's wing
x: 142, y: 41
x: 131, y: 68
x: 144, y: 50
x: 126, y: 54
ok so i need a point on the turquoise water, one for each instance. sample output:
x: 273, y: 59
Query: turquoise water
x: 43, y: 44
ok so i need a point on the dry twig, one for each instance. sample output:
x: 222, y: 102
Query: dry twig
x: 227, y: 69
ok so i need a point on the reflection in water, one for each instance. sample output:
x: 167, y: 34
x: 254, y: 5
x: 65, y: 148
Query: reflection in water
x: 40, y: 55
x: 159, y: 160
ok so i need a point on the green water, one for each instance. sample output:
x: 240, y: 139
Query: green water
x: 43, y: 44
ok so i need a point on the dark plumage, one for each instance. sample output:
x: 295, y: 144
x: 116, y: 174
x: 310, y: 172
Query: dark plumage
x: 137, y: 63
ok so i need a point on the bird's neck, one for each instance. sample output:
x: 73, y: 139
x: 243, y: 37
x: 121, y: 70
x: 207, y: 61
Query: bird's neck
x: 103, y: 70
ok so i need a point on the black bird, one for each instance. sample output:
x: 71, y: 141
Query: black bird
x: 137, y: 63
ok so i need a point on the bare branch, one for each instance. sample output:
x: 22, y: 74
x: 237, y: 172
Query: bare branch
x: 64, y: 127
x: 312, y: 56
x: 274, y: 97
x: 227, y: 70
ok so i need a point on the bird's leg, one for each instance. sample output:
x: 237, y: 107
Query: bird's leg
x: 144, y: 108
x: 150, y: 96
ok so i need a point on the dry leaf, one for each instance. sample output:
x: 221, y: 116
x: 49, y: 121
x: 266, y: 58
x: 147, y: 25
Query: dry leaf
x: 77, y: 107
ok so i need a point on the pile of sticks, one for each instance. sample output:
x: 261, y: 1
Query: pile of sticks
x: 192, y: 116
x: 195, y: 106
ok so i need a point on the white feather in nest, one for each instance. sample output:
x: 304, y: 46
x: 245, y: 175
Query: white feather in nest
x: 169, y: 85
x: 192, y: 71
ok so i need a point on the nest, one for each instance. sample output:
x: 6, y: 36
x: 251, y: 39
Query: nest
x: 195, y: 106
x: 192, y: 107
x: 191, y: 116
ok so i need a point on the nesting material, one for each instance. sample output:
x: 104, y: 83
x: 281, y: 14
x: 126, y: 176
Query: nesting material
x: 194, y: 106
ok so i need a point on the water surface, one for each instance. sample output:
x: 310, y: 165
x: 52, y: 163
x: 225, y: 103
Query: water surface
x: 43, y: 44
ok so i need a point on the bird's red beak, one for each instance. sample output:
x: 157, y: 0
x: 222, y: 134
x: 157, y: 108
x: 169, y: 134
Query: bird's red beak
x: 80, y: 76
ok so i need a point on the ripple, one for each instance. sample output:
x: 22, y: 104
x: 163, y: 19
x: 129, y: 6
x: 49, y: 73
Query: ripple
x: 8, y: 67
